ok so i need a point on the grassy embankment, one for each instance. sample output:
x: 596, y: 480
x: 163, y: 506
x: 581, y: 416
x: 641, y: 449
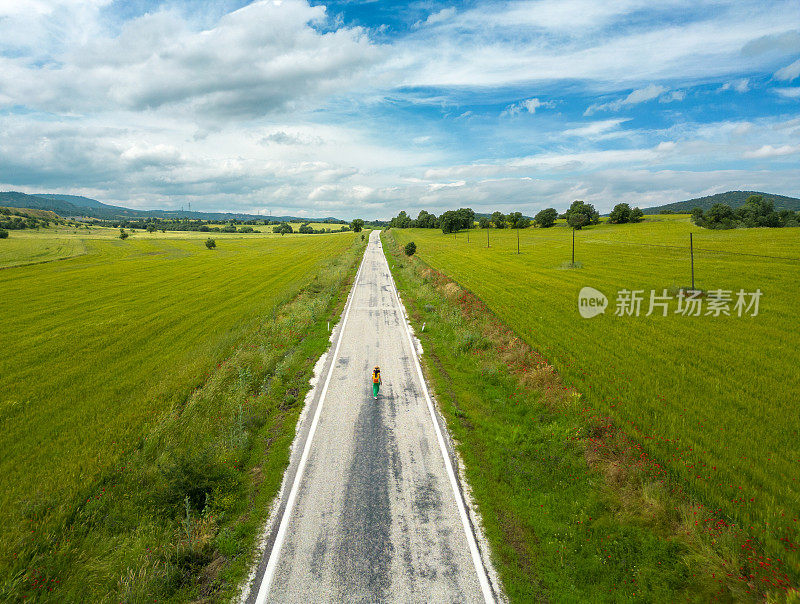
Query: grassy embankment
x: 150, y: 390
x: 689, y: 419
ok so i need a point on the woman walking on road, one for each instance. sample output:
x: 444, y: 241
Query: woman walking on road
x: 376, y: 381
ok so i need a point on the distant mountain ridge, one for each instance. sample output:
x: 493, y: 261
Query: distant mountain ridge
x: 732, y: 198
x: 77, y: 206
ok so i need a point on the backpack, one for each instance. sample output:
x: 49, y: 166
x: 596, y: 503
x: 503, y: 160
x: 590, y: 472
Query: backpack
x: 376, y: 376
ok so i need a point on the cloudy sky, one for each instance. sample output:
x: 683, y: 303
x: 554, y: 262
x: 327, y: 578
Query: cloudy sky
x: 352, y: 108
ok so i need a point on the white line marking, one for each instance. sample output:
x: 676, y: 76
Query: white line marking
x: 272, y: 563
x: 462, y: 509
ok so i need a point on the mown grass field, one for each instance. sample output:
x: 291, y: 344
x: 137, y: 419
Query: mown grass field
x: 710, y: 402
x: 58, y: 242
x: 134, y: 375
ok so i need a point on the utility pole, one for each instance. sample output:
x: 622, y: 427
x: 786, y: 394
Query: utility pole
x: 487, y: 236
x: 573, y: 247
x: 691, y: 254
x: 468, y: 235
x: 517, y: 240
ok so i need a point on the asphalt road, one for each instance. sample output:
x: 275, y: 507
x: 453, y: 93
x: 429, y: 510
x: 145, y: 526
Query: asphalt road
x: 370, y: 511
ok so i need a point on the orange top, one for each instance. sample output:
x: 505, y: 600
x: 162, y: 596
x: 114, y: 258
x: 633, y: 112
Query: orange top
x: 376, y: 376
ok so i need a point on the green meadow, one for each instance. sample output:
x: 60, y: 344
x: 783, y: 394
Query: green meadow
x: 135, y: 373
x: 30, y: 246
x: 710, y: 402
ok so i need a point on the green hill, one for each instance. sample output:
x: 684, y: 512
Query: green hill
x: 14, y: 199
x: 75, y: 205
x: 76, y: 200
x: 732, y: 198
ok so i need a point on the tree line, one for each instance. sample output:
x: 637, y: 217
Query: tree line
x: 756, y: 212
x: 578, y: 215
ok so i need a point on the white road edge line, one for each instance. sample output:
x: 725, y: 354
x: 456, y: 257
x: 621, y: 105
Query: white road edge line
x: 483, y: 579
x: 274, y: 555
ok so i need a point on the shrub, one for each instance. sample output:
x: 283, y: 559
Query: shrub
x: 193, y: 474
x: 123, y: 234
x: 3, y: 234
x: 210, y: 243
x: 410, y: 248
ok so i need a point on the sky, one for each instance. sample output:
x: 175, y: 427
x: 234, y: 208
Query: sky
x: 362, y: 109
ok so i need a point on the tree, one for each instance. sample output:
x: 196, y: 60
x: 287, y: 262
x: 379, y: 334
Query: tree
x: 499, y: 220
x: 466, y: 218
x: 410, y: 248
x: 151, y: 228
x: 546, y: 218
x: 517, y: 221
x: 581, y: 214
x: 210, y: 243
x: 425, y: 220
x: 449, y: 222
x: 228, y: 228
x: 306, y: 229
x: 484, y: 222
x: 3, y: 234
x: 122, y: 234
x: 357, y: 225
x: 636, y: 215
x: 620, y: 214
x: 401, y: 221
x: 283, y: 228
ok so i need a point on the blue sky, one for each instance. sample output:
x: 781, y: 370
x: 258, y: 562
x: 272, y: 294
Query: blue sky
x: 353, y: 108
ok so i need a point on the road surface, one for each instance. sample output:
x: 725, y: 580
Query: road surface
x: 370, y: 510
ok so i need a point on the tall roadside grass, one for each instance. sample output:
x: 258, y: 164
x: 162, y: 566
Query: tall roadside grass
x: 574, y: 508
x: 170, y: 508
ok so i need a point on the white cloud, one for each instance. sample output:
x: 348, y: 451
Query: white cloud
x: 528, y: 105
x: 642, y: 95
x: 673, y: 95
x: 505, y: 43
x: 741, y: 85
x: 438, y: 17
x: 770, y: 151
x: 262, y: 108
x: 790, y: 72
x: 596, y: 129
x: 266, y: 57
x: 789, y: 93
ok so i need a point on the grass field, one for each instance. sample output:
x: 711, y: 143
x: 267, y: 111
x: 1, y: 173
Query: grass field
x: 59, y: 242
x: 117, y: 369
x: 710, y: 402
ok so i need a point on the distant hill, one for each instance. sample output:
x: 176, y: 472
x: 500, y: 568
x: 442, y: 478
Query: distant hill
x: 732, y: 198
x: 77, y: 206
x: 33, y: 213
x: 13, y: 199
x: 76, y: 200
